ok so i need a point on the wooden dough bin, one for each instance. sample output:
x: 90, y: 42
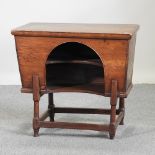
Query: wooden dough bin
x: 88, y: 58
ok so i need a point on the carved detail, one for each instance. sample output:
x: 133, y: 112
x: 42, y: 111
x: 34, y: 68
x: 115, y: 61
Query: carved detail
x: 113, y: 102
x: 36, y: 98
x: 51, y: 107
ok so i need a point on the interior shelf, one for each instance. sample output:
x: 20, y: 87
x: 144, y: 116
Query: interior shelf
x: 95, y: 62
x: 96, y: 86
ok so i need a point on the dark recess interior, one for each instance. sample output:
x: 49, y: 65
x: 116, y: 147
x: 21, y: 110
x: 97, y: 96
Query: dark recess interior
x: 72, y: 64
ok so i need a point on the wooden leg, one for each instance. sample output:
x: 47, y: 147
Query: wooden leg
x: 36, y: 98
x: 121, y: 108
x: 51, y: 107
x: 113, y: 102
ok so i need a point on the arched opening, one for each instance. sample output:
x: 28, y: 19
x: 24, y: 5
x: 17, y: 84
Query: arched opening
x: 73, y: 64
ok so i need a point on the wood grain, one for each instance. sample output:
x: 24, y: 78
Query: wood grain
x: 102, y: 31
x: 33, y: 53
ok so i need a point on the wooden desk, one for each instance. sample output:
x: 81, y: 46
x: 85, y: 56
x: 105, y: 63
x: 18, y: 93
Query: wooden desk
x: 89, y: 58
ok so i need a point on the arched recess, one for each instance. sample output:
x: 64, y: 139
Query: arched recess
x: 74, y: 64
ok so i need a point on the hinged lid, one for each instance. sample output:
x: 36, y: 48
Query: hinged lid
x: 109, y: 31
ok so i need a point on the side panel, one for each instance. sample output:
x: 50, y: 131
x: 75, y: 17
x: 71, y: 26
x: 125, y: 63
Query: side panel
x: 33, y: 52
x: 130, y: 61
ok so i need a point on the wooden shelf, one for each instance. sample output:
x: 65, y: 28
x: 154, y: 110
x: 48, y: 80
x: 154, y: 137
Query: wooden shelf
x: 95, y: 62
x: 95, y: 86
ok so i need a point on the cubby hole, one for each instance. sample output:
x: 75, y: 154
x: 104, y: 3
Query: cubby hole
x: 73, y: 64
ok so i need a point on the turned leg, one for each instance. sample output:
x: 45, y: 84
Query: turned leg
x: 51, y: 107
x: 36, y: 98
x: 121, y: 108
x: 113, y: 102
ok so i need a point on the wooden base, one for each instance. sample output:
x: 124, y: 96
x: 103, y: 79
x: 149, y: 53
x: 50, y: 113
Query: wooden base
x: 111, y: 127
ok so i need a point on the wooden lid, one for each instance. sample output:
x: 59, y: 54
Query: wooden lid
x: 109, y: 31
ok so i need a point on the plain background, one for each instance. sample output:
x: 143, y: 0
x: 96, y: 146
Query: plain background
x: 18, y: 12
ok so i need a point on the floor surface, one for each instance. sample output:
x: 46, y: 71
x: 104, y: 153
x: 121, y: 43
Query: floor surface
x: 136, y: 137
